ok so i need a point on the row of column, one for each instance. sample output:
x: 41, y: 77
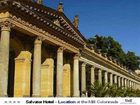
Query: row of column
x: 108, y: 78
x: 5, y: 43
x: 59, y: 76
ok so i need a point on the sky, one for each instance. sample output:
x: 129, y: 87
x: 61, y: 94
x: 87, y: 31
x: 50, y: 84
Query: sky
x: 117, y: 18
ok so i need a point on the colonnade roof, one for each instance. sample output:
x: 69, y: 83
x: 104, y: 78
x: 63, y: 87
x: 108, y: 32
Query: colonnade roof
x: 44, y: 17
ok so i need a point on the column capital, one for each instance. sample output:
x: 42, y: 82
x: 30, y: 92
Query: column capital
x: 6, y: 25
x: 93, y: 67
x: 84, y: 64
x: 99, y: 70
x: 60, y: 49
x: 38, y: 40
x: 76, y: 56
x: 115, y: 75
x: 111, y: 73
x: 105, y: 71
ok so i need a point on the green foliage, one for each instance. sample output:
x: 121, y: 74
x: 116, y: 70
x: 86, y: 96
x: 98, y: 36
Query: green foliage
x: 112, y: 91
x: 106, y: 90
x: 132, y: 61
x: 98, y: 90
x: 113, y: 48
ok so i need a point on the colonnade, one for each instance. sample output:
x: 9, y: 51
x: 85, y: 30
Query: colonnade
x: 36, y: 83
x: 104, y: 76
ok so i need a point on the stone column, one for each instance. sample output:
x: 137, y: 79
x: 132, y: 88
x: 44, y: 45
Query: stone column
x: 133, y: 85
x: 115, y: 79
x: 122, y: 82
x: 119, y: 81
x: 83, y: 77
x: 111, y: 79
x: 92, y: 75
x: 125, y: 82
x: 4, y: 60
x: 37, y: 67
x: 136, y: 86
x: 100, y: 76
x: 130, y: 83
x: 106, y: 77
x: 76, y: 76
x: 59, y: 76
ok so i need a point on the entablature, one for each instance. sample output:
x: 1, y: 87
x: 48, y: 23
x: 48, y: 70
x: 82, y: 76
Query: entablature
x: 100, y: 60
x: 33, y: 31
x: 44, y: 17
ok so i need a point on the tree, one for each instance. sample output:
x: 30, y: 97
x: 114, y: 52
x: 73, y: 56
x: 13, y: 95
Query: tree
x: 114, y: 49
x: 132, y: 61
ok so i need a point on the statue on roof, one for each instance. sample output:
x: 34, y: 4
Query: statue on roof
x: 76, y: 21
x: 60, y: 7
x: 39, y: 1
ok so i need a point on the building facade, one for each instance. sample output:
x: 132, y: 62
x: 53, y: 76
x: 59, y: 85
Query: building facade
x: 43, y: 54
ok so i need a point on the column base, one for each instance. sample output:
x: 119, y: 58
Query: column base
x: 83, y: 95
x: 3, y: 95
x: 36, y: 95
x: 58, y: 96
x: 26, y: 96
x: 50, y: 96
x: 76, y: 94
x: 92, y: 96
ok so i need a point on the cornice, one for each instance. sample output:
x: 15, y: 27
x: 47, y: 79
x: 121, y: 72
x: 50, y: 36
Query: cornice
x: 35, y: 13
x: 30, y: 28
x: 106, y: 62
x: 108, y: 69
